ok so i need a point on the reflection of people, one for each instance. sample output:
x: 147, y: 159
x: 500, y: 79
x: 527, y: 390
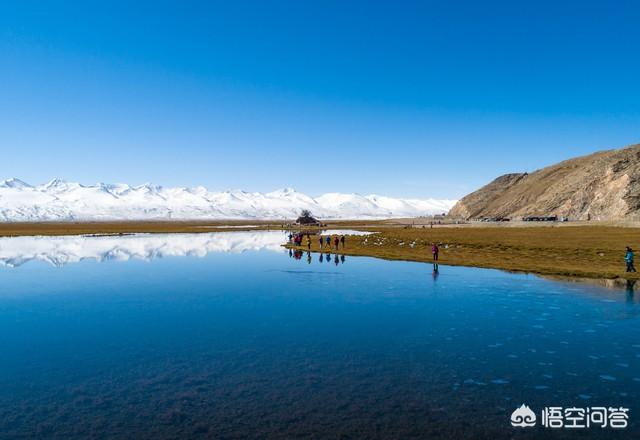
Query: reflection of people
x: 309, y: 257
x: 435, y: 272
x: 290, y: 253
x: 335, y: 260
x: 342, y: 259
x: 630, y: 290
x: 628, y: 258
x: 321, y: 257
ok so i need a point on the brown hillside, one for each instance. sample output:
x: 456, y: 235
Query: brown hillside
x: 600, y: 186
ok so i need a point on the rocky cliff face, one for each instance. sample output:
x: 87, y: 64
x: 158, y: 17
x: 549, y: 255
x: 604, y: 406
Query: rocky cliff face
x: 601, y: 186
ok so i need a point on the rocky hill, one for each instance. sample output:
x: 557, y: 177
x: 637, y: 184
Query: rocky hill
x: 601, y: 186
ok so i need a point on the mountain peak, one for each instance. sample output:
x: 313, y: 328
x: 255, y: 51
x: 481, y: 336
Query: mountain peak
x: 14, y: 183
x: 55, y: 183
x: 283, y: 192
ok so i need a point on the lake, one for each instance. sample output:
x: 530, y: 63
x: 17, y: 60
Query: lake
x: 227, y: 335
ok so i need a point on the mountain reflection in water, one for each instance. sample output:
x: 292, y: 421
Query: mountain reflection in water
x: 61, y: 250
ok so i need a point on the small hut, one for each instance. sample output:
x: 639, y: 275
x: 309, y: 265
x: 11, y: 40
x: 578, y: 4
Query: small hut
x: 307, y: 219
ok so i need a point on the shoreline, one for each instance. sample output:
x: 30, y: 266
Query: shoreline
x: 617, y: 281
x: 593, y: 251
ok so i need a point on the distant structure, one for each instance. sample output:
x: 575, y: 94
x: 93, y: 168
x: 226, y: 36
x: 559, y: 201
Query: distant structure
x: 307, y: 219
x: 541, y: 218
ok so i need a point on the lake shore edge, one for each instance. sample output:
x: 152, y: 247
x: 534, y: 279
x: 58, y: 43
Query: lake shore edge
x: 594, y: 251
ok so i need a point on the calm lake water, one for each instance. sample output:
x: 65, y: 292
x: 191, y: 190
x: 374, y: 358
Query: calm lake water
x: 227, y: 336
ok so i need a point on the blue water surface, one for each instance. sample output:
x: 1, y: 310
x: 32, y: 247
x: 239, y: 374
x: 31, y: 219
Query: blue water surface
x: 258, y: 344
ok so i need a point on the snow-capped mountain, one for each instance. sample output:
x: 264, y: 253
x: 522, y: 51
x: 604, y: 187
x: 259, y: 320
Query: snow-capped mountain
x: 62, y: 200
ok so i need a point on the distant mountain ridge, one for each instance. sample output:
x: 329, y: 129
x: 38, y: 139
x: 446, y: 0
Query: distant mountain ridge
x: 600, y: 186
x: 60, y: 200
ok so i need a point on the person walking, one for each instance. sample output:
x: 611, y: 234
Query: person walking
x: 628, y: 258
x: 342, y: 239
x: 435, y: 251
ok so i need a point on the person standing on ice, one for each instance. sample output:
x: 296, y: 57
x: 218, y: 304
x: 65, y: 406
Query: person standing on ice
x: 321, y: 240
x: 435, y: 251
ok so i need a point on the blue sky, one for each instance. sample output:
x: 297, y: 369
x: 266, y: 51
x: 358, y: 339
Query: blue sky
x: 415, y: 99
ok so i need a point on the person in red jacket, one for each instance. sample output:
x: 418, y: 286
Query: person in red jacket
x: 434, y: 251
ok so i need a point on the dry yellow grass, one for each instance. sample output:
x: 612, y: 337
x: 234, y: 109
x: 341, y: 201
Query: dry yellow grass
x: 590, y: 251
x: 578, y: 251
x: 128, y: 227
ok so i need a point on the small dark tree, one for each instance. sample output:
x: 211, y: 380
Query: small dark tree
x: 306, y: 218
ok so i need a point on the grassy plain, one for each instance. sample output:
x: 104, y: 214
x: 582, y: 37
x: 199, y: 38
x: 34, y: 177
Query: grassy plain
x: 131, y: 227
x: 577, y: 250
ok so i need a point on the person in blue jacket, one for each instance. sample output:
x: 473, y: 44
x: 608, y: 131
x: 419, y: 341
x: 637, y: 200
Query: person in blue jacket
x: 628, y: 258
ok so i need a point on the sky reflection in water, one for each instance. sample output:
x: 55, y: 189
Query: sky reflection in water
x: 256, y: 343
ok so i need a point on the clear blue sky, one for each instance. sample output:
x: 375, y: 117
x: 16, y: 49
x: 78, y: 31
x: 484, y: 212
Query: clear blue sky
x: 419, y: 99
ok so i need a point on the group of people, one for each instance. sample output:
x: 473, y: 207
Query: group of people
x: 300, y: 239
x: 297, y: 238
x: 325, y: 243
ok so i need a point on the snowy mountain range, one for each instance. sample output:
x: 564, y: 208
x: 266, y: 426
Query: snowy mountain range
x: 61, y: 200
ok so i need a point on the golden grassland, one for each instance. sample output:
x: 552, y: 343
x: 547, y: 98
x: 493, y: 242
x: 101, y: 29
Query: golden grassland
x: 166, y: 226
x: 127, y: 227
x: 578, y: 250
